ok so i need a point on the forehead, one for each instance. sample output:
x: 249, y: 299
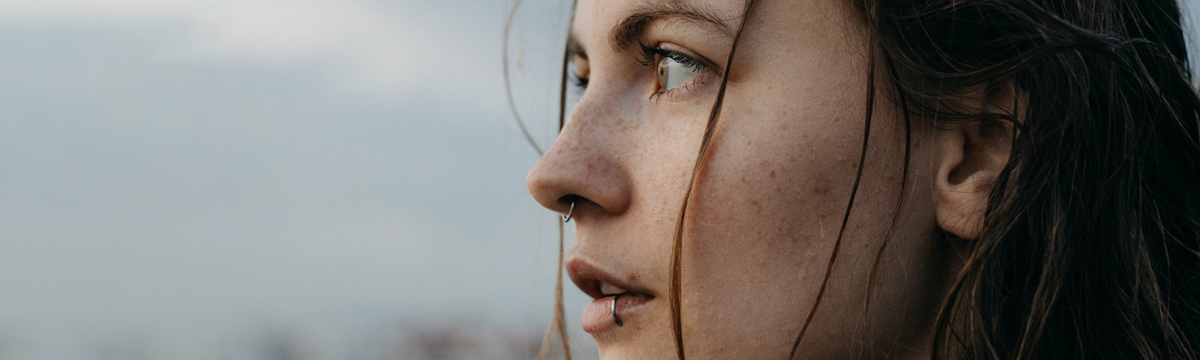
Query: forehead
x: 602, y: 20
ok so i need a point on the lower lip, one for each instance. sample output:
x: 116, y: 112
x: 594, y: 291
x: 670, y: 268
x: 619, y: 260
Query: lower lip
x: 598, y: 316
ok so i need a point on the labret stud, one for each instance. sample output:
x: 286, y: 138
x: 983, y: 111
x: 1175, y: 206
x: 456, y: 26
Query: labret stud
x: 614, y: 310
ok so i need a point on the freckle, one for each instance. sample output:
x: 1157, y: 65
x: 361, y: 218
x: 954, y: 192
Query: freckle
x: 772, y: 174
x: 823, y: 187
x: 792, y: 158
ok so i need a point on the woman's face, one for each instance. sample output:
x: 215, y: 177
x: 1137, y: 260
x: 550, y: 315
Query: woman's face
x: 769, y: 203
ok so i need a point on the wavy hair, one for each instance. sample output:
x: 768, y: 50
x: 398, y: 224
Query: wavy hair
x: 1091, y: 242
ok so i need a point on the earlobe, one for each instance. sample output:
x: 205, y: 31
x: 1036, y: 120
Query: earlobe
x: 972, y: 155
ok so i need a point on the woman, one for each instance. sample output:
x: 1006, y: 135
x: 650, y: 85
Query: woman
x: 893, y: 179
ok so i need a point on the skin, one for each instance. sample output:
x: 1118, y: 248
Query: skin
x: 769, y: 202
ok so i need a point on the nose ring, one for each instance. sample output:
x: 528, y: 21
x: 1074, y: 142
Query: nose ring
x: 614, y: 310
x: 567, y: 218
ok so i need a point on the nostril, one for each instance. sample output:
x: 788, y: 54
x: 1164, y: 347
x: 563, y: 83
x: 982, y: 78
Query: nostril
x: 570, y: 198
x: 570, y: 201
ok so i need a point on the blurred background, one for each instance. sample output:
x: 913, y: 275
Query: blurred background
x: 276, y: 180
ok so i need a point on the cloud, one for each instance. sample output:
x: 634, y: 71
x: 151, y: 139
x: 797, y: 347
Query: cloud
x: 364, y: 44
x: 70, y: 10
x: 371, y: 46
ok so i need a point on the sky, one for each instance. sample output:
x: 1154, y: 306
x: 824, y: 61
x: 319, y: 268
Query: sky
x: 183, y: 175
x: 187, y: 172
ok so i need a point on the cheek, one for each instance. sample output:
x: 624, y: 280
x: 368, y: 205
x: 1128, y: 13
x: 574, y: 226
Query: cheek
x: 778, y: 182
x: 764, y: 216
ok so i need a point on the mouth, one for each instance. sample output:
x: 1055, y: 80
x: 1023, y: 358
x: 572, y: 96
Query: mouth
x: 615, y: 302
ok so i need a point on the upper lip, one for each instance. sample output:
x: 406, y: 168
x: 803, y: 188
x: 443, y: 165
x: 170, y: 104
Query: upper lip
x: 588, y: 277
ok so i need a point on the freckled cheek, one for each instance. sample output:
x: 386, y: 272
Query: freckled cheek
x: 764, y: 210
x: 768, y: 200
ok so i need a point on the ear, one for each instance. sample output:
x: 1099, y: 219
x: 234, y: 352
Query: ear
x: 972, y: 155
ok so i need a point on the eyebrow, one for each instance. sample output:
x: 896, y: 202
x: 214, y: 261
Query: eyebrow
x: 629, y: 30
x: 574, y: 48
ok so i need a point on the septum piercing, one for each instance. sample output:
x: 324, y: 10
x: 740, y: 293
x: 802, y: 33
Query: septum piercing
x: 614, y: 310
x: 567, y: 218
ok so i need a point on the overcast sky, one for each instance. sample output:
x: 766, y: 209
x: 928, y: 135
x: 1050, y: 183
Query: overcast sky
x: 188, y: 168
x: 184, y: 170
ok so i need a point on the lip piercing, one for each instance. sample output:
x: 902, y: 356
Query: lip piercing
x: 614, y: 310
x: 567, y: 218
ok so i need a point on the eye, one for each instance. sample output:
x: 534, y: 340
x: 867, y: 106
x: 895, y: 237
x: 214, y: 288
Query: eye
x: 578, y: 68
x: 676, y: 73
x: 672, y: 72
x: 579, y: 81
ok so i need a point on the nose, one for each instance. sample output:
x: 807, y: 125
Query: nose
x: 584, y: 166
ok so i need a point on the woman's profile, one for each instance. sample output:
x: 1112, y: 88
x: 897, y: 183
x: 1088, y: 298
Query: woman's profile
x: 880, y: 179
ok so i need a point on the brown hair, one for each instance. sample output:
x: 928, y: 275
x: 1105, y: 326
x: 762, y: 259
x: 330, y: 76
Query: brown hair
x: 1091, y: 236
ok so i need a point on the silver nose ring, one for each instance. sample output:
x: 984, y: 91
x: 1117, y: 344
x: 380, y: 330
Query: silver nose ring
x: 567, y: 218
x: 614, y: 310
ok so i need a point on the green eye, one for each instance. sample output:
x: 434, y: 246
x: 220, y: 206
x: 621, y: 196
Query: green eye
x: 673, y: 72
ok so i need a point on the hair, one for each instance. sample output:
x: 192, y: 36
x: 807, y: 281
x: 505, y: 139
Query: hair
x: 1090, y: 247
x: 1091, y: 239
x: 1090, y: 242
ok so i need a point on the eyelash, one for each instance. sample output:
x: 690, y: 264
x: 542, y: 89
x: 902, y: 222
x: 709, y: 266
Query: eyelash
x: 651, y: 53
x: 579, y: 81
